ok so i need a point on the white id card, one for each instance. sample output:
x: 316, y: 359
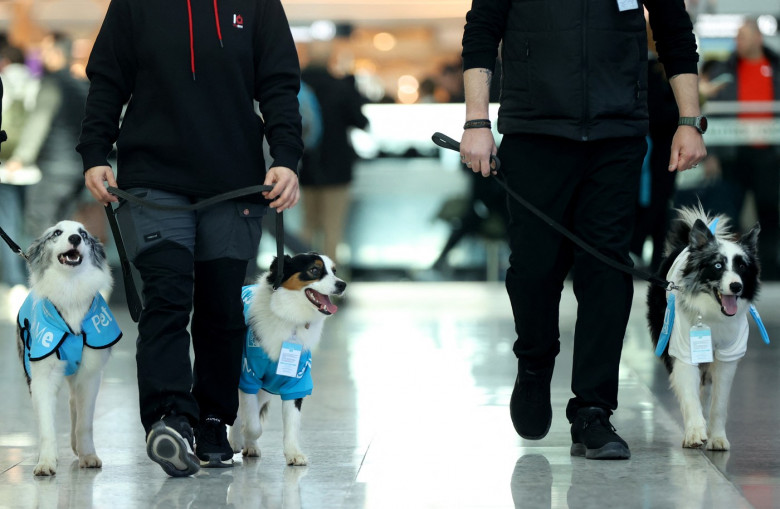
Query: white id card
x: 289, y: 359
x: 701, y: 344
x: 627, y: 5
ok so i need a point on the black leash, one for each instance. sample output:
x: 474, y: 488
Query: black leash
x: 445, y: 141
x: 13, y: 245
x: 134, y: 303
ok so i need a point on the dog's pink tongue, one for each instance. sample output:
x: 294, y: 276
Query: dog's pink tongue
x: 729, y: 304
x: 331, y: 307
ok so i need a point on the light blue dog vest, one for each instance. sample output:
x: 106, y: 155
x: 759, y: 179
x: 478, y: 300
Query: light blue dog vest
x: 259, y: 372
x: 44, y: 332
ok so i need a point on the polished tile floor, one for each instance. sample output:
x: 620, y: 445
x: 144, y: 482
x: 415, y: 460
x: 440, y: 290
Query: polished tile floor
x: 410, y: 411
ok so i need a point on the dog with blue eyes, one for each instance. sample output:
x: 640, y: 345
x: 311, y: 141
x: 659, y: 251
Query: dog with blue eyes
x: 65, y: 331
x: 283, y: 326
x: 700, y: 329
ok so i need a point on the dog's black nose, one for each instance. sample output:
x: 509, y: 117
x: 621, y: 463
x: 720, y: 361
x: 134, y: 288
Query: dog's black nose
x: 341, y: 286
x: 75, y: 239
x: 735, y: 287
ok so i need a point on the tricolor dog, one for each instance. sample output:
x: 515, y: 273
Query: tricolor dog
x: 283, y: 327
x: 705, y: 320
x: 65, y: 331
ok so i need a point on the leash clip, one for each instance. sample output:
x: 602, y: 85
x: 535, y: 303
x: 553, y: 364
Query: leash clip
x: 671, y: 286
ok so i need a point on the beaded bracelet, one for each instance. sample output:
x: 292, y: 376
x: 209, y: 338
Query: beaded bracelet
x: 477, y: 124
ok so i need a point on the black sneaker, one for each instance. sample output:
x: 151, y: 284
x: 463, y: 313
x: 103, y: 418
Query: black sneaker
x: 213, y: 449
x: 594, y: 437
x: 529, y: 406
x: 170, y: 443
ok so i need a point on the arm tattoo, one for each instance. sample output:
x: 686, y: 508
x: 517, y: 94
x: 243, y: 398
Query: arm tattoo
x: 488, y: 75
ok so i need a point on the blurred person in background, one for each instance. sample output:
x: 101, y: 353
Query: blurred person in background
x: 20, y: 88
x: 50, y: 133
x: 327, y: 168
x: 574, y: 120
x: 753, y: 74
x: 190, y: 79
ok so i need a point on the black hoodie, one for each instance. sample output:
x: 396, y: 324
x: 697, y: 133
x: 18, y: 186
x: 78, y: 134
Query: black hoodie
x: 189, y: 71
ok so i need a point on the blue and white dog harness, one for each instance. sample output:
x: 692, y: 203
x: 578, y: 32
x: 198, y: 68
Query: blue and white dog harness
x: 44, y: 332
x: 258, y: 371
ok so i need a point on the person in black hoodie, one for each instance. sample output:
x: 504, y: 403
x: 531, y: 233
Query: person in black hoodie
x: 574, y: 118
x: 190, y: 73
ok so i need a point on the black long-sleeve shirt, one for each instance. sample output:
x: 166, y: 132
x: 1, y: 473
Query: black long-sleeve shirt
x: 189, y: 71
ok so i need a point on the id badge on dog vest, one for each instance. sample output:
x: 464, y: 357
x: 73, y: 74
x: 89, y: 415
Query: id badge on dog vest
x: 289, y: 359
x: 701, y: 343
x: 627, y: 5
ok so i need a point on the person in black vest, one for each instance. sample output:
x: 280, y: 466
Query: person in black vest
x: 191, y: 73
x: 574, y: 119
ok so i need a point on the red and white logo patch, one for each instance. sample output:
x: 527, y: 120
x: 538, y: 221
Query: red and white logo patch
x: 238, y: 21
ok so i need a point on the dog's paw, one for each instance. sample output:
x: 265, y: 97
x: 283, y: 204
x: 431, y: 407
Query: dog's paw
x: 296, y: 458
x: 90, y: 461
x: 45, y: 467
x: 695, y: 437
x: 251, y: 451
x: 718, y: 444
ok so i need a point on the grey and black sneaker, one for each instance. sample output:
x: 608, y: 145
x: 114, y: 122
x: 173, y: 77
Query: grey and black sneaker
x: 213, y: 449
x: 170, y: 444
x: 595, y: 438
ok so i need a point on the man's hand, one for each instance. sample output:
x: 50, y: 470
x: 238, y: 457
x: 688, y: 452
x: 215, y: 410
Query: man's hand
x: 94, y: 178
x: 476, y: 147
x: 688, y: 149
x: 285, y: 193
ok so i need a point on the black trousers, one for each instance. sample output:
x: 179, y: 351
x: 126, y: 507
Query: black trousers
x: 174, y: 287
x: 591, y: 188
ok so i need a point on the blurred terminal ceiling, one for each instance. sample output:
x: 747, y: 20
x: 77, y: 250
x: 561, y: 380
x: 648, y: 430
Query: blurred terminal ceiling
x: 81, y: 16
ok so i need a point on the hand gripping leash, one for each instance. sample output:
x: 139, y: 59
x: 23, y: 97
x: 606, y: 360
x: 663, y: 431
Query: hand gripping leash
x: 445, y: 141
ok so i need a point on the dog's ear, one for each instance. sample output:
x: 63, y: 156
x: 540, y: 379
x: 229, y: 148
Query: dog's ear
x: 274, y: 269
x: 700, y: 235
x: 749, y: 241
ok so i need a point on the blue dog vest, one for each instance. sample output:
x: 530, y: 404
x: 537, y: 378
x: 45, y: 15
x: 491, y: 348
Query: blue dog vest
x: 44, y: 332
x: 259, y: 372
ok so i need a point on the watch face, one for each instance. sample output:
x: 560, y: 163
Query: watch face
x: 703, y: 124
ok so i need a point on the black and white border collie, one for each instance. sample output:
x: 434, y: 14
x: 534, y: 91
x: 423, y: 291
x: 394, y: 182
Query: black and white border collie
x: 718, y: 276
x: 65, y: 331
x: 281, y: 322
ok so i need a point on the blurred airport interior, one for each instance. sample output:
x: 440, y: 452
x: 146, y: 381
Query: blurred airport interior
x: 415, y: 214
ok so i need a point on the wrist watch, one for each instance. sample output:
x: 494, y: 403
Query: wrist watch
x: 700, y: 123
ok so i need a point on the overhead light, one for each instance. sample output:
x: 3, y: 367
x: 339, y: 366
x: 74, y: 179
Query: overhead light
x: 384, y: 41
x: 323, y: 30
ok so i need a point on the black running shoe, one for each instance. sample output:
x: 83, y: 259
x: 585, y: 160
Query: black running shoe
x: 212, y: 446
x: 530, y: 406
x: 170, y: 443
x: 595, y: 438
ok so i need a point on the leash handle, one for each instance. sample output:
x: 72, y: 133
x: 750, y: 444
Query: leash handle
x: 230, y: 195
x: 445, y: 141
x: 134, y: 303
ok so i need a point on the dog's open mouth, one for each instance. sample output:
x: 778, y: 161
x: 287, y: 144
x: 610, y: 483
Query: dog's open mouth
x: 323, y: 303
x: 71, y: 258
x: 728, y: 303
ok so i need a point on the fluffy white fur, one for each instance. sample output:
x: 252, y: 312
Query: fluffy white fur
x: 70, y: 283
x: 704, y: 292
x: 273, y: 316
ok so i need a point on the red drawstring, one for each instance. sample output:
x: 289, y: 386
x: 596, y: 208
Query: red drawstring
x: 192, y: 44
x: 216, y: 18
